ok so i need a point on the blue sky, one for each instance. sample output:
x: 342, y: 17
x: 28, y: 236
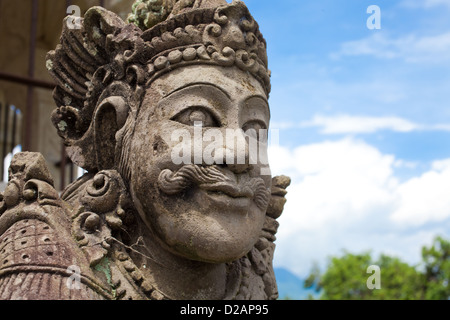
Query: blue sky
x: 364, y: 120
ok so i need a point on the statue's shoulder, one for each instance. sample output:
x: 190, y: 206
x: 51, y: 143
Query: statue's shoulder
x: 39, y: 258
x: 65, y: 247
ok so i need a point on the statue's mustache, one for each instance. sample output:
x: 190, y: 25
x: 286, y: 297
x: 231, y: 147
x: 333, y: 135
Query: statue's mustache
x: 210, y: 178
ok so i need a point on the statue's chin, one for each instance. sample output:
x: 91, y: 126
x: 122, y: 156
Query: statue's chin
x: 221, y: 252
x: 220, y: 229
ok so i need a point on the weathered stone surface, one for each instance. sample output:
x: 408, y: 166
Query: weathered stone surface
x: 160, y: 214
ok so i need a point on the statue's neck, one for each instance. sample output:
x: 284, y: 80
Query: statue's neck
x: 173, y: 276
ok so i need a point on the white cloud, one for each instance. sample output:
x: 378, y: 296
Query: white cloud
x: 433, y: 3
x: 410, y: 48
x: 426, y: 198
x: 440, y: 165
x: 425, y: 4
x: 405, y: 164
x: 350, y: 124
x: 344, y: 194
x: 334, y: 181
x: 359, y: 124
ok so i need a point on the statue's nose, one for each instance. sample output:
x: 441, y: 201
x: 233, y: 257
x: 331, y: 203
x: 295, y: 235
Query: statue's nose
x: 236, y: 155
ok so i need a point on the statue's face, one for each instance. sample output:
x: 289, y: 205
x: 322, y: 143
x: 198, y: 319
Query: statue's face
x: 214, y: 210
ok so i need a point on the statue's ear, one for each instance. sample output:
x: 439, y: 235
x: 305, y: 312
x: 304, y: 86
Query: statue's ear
x: 109, y: 118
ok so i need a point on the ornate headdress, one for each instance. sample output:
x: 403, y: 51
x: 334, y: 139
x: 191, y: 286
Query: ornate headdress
x: 106, y: 57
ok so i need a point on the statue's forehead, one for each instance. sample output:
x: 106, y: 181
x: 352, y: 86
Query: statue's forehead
x: 236, y: 83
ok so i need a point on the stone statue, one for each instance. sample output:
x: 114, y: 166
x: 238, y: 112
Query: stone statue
x: 150, y: 219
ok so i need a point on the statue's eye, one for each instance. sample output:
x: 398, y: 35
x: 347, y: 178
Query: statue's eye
x: 255, y: 129
x: 194, y: 116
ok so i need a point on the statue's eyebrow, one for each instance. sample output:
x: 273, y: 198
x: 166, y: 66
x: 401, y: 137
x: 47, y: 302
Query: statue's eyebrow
x: 196, y: 84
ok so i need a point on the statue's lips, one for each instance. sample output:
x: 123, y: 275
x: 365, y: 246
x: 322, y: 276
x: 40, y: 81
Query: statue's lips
x: 228, y: 189
x: 228, y: 196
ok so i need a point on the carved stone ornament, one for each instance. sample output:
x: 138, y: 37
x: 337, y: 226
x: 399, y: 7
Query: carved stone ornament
x: 141, y: 224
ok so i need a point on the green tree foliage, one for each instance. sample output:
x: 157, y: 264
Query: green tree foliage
x: 346, y: 277
x: 437, y: 269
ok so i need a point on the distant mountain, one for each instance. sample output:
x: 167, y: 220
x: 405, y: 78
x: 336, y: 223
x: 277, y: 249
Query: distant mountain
x: 290, y: 286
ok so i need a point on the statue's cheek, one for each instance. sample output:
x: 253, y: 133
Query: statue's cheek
x: 159, y: 147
